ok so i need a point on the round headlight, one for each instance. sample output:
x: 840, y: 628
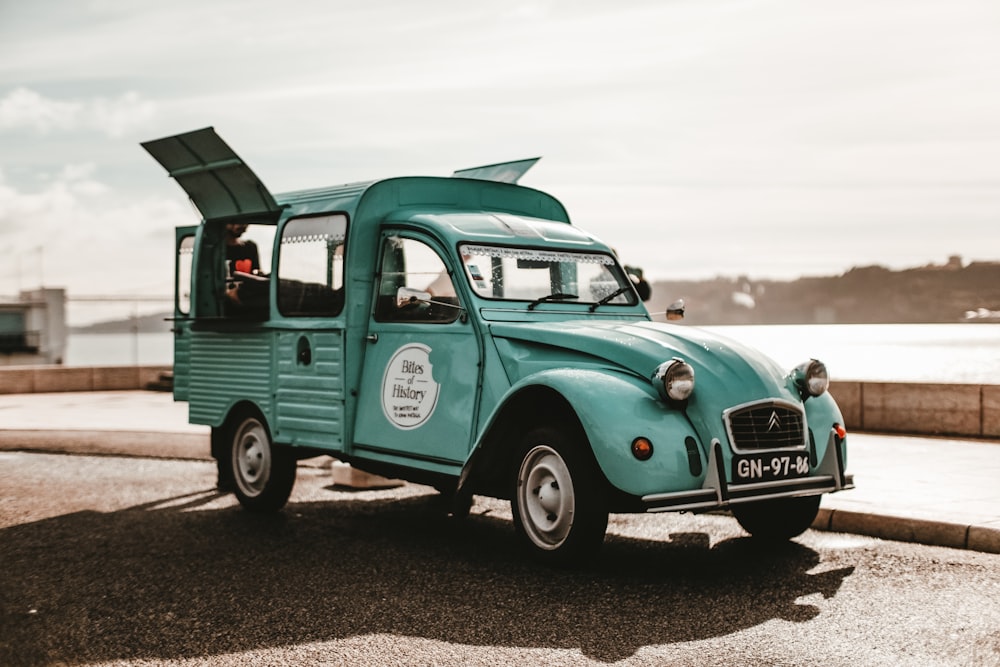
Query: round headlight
x: 815, y: 377
x: 674, y: 379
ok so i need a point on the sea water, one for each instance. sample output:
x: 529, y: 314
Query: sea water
x: 959, y: 353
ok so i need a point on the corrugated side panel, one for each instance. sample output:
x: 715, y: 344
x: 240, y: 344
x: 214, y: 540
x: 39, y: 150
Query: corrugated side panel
x: 182, y: 367
x: 310, y: 405
x: 226, y: 368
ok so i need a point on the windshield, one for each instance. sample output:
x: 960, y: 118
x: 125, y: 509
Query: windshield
x: 528, y: 274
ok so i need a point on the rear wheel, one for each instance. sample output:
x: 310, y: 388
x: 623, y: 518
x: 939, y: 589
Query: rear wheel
x: 558, y: 501
x: 777, y: 519
x: 263, y: 474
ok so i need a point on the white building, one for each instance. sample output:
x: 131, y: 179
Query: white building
x: 33, y: 328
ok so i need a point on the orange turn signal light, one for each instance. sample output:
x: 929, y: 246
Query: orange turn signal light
x: 642, y: 449
x: 840, y: 431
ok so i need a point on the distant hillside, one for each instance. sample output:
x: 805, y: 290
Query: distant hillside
x: 863, y: 295
x: 155, y: 323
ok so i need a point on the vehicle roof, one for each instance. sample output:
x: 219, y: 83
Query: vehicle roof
x: 458, y: 208
x: 491, y: 227
x: 337, y: 197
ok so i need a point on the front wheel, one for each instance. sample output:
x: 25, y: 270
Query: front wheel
x: 263, y: 474
x: 778, y: 519
x: 558, y: 500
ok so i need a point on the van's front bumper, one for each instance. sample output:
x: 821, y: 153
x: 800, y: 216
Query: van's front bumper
x: 717, y: 493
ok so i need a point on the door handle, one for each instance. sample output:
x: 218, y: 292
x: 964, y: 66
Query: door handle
x: 304, y: 352
x: 372, y: 338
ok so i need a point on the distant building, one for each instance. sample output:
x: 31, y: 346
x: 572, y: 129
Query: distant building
x: 33, y: 328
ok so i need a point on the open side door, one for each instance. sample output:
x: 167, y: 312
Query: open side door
x: 219, y: 183
x: 183, y: 264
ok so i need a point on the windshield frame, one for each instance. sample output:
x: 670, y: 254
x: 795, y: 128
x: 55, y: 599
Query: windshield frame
x: 565, y: 285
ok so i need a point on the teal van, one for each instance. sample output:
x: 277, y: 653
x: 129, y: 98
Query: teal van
x: 459, y: 332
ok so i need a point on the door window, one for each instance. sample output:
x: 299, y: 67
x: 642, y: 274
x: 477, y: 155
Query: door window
x: 414, y: 284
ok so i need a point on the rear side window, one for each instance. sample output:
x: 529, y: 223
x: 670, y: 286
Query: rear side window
x: 185, y: 262
x: 311, y: 266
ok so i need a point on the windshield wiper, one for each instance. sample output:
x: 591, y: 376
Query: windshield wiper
x: 555, y: 296
x: 618, y: 292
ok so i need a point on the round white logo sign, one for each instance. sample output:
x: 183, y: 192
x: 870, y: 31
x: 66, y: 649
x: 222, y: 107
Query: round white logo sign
x: 409, y: 392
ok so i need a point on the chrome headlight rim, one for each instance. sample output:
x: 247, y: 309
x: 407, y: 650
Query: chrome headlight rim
x: 674, y: 380
x: 812, y: 377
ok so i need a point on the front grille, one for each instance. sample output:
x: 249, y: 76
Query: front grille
x: 765, y: 426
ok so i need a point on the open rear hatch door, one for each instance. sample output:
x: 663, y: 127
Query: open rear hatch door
x: 504, y: 172
x: 219, y: 183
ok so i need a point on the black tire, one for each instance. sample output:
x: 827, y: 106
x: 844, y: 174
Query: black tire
x: 220, y: 444
x: 456, y: 504
x: 558, y: 497
x: 263, y: 474
x: 778, y: 519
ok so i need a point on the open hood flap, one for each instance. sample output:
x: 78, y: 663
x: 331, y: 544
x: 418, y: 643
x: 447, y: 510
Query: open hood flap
x: 218, y: 182
x: 504, y: 172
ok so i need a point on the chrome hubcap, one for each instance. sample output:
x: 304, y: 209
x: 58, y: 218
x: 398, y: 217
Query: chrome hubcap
x: 252, y: 457
x: 545, y: 497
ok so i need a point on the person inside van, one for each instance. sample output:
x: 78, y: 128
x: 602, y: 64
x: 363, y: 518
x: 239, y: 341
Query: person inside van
x: 246, y: 286
x: 242, y: 257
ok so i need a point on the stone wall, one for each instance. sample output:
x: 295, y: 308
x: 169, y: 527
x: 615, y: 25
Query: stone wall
x: 41, y: 379
x: 970, y: 410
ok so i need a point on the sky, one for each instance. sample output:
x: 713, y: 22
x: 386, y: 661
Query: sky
x: 770, y: 139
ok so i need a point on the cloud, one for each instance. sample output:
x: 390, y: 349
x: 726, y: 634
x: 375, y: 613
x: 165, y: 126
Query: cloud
x: 26, y: 214
x: 78, y: 232
x: 23, y: 108
x: 758, y: 137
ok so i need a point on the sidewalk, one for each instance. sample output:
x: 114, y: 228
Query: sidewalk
x: 934, y: 491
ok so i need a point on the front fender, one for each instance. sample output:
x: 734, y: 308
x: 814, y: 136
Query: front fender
x: 822, y: 413
x: 614, y: 409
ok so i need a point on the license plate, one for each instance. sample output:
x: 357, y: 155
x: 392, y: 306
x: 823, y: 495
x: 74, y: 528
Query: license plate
x: 769, y: 467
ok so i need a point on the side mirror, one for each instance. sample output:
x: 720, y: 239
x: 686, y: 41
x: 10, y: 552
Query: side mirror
x: 675, y: 311
x: 407, y: 296
x: 644, y: 289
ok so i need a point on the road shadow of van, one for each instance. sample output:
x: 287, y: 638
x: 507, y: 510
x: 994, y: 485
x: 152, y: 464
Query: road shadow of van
x: 173, y: 580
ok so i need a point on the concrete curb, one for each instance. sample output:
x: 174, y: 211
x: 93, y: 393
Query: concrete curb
x: 908, y: 529
x: 150, y: 444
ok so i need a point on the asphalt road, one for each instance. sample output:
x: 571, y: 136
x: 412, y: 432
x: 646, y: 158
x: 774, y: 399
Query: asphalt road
x: 107, y: 560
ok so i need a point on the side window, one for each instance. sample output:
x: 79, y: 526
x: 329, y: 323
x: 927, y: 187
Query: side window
x: 247, y: 261
x: 414, y: 285
x: 311, y: 266
x: 185, y: 266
